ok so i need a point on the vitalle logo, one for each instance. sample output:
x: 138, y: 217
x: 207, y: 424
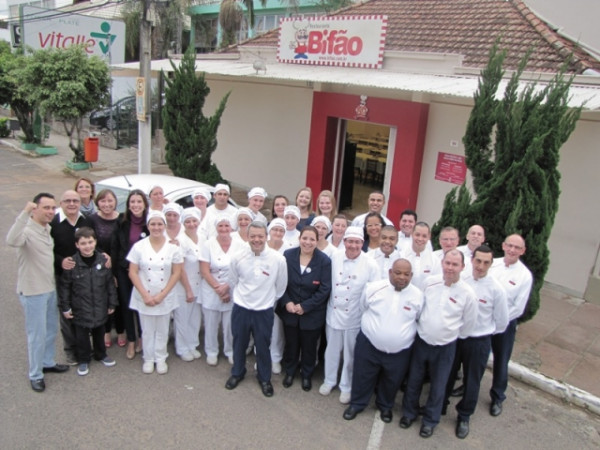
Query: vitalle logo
x: 104, y: 36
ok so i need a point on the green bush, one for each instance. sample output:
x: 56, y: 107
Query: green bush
x: 4, y: 130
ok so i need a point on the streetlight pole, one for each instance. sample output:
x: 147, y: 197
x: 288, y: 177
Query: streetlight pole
x: 145, y: 126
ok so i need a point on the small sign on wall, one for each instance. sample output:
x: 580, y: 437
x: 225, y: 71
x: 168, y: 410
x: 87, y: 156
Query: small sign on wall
x: 450, y: 168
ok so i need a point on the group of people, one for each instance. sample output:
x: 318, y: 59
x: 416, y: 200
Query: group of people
x: 378, y: 300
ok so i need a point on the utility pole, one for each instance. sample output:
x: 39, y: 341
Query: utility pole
x: 145, y: 126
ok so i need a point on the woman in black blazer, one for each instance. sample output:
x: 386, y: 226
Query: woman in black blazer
x: 303, y: 306
x: 131, y: 228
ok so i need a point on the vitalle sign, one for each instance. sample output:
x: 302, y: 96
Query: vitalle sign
x: 46, y: 28
x: 352, y: 41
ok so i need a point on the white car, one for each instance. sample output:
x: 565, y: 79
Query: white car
x: 176, y: 189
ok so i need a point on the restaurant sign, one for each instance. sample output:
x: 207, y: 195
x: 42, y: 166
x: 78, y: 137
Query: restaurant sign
x: 350, y: 41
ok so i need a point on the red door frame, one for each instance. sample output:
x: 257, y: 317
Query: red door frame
x: 410, y: 120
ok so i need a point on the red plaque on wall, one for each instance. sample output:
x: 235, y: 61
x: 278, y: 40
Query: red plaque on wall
x: 450, y: 168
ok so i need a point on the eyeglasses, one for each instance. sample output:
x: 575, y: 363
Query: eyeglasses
x: 71, y: 200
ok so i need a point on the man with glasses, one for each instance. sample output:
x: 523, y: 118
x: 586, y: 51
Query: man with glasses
x: 516, y: 279
x: 67, y: 220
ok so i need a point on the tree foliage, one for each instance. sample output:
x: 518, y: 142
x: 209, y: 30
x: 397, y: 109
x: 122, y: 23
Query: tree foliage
x: 68, y: 84
x: 191, y: 137
x: 512, y: 151
x: 13, y: 92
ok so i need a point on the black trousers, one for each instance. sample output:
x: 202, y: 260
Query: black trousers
x: 373, y: 367
x: 84, y: 350
x: 300, y: 349
x: 438, y: 359
x: 472, y: 353
x: 130, y: 316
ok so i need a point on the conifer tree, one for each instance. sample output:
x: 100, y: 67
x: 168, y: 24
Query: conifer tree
x: 191, y: 138
x: 512, y: 151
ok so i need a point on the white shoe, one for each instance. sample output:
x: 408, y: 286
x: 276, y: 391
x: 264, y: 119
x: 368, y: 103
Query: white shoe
x: 161, y: 367
x: 212, y: 360
x: 230, y: 359
x: 325, y: 389
x: 196, y: 353
x: 148, y: 367
x: 345, y: 398
x: 187, y: 357
x: 276, y: 368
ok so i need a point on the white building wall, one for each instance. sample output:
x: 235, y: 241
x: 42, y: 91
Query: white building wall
x: 264, y: 134
x: 575, y: 237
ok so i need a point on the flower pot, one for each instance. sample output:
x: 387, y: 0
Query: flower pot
x: 46, y: 150
x: 29, y: 146
x: 77, y: 165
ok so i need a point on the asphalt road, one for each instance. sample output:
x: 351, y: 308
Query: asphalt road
x: 189, y: 407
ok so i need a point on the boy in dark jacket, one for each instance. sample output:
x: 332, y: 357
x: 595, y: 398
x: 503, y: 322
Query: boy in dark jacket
x: 88, y: 296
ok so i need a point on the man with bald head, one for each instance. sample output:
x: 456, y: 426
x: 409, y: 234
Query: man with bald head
x: 475, y: 238
x: 516, y: 279
x: 391, y: 308
x: 450, y: 309
x: 67, y: 220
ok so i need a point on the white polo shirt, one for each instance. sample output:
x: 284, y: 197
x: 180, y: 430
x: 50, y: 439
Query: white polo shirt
x: 516, y: 280
x: 390, y: 317
x: 492, y: 308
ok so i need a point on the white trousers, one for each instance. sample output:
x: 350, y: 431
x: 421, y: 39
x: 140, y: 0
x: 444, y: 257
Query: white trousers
x: 277, y: 340
x: 212, y: 319
x: 155, y: 335
x: 186, y: 320
x: 339, y: 341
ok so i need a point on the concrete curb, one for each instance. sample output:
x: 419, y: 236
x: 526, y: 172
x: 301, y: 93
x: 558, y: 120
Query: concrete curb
x: 553, y: 387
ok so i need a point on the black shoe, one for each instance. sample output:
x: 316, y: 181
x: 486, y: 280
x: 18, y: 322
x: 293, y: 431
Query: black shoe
x: 288, y: 381
x: 350, y: 413
x: 38, y: 385
x: 405, y: 422
x: 496, y: 408
x: 462, y: 429
x: 426, y: 431
x: 458, y: 392
x: 306, y: 384
x: 267, y: 388
x: 233, y: 382
x: 57, y: 368
x: 386, y: 415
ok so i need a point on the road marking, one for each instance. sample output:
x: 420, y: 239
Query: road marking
x: 376, y: 433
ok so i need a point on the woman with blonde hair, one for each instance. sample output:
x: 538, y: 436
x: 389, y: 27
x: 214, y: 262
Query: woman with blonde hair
x: 85, y: 188
x: 304, y: 202
x: 326, y: 205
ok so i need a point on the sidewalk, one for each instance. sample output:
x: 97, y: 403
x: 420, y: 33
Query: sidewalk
x: 558, y: 351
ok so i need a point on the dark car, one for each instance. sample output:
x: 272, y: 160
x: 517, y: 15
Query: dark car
x: 123, y: 111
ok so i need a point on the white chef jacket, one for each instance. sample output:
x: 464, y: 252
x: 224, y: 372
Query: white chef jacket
x: 492, y: 307
x: 516, y: 280
x: 219, y: 261
x: 390, y: 317
x: 448, y: 311
x: 154, y: 270
x: 422, y: 265
x: 348, y: 279
x: 384, y: 263
x: 259, y: 281
x: 191, y: 263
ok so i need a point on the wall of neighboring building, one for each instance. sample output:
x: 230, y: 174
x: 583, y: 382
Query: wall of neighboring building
x: 264, y: 134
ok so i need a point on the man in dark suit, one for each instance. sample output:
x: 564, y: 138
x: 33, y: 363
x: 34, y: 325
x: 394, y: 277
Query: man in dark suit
x: 303, y: 306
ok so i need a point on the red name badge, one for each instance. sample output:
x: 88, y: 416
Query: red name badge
x: 512, y: 282
x: 316, y: 282
x: 407, y: 308
x: 266, y: 273
x: 452, y: 300
x: 482, y: 300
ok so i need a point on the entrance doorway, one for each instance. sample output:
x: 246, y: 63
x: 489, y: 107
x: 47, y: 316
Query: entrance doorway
x: 364, y: 149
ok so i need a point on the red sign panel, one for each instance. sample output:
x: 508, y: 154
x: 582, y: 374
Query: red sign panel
x: 450, y: 168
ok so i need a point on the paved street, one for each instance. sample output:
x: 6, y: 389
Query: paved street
x: 189, y: 407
